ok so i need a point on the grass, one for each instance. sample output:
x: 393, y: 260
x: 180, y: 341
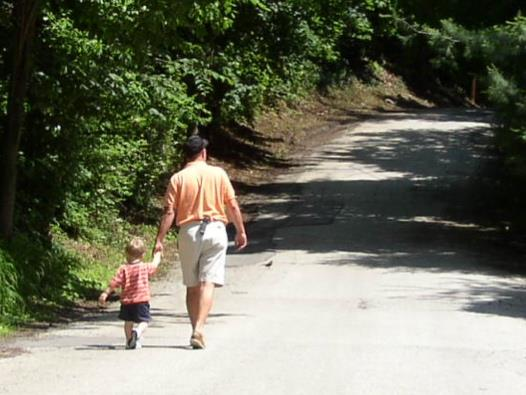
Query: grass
x: 5, y: 330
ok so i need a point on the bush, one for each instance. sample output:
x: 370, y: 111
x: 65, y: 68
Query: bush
x: 11, y: 304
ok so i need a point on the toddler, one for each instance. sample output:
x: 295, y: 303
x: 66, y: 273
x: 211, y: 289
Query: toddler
x: 133, y: 279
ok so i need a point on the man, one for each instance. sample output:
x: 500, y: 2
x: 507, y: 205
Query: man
x: 202, y: 201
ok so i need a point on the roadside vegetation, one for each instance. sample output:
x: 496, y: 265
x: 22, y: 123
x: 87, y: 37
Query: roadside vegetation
x: 97, y: 96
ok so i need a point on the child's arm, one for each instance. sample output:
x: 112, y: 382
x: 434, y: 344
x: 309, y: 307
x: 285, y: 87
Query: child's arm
x: 116, y: 282
x: 104, y: 296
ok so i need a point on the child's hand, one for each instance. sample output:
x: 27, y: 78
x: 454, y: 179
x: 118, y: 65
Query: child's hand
x: 102, y: 299
x: 157, y: 258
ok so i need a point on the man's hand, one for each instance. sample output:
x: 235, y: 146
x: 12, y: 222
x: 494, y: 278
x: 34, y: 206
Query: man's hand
x: 158, y: 247
x: 241, y: 240
x: 234, y: 214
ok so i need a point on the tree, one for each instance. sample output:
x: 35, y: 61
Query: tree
x: 25, y: 14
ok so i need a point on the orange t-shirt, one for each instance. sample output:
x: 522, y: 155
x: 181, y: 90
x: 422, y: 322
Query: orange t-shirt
x: 133, y: 279
x: 197, y: 191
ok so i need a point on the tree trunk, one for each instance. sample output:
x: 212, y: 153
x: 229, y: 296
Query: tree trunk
x: 24, y: 18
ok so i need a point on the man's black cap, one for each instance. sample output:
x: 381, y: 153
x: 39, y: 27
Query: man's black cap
x: 194, y: 145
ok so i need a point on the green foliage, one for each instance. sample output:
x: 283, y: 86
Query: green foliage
x: 10, y: 301
x: 43, y: 269
x: 33, y: 274
x: 110, y: 126
x: 495, y: 55
x: 508, y: 93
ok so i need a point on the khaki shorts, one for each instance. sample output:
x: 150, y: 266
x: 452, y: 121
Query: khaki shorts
x: 203, y: 257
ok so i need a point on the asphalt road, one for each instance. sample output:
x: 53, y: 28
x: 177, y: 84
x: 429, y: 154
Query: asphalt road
x: 373, y: 269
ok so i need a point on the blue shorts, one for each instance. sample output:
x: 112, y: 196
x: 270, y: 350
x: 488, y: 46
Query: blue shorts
x: 138, y: 312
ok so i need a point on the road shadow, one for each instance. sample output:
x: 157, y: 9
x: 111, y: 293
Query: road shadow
x: 429, y: 205
x: 113, y: 347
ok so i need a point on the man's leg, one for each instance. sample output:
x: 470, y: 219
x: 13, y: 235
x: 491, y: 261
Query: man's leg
x: 199, y: 300
x: 210, y: 271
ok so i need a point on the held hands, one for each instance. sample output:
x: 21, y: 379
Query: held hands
x: 158, y: 248
x: 157, y: 255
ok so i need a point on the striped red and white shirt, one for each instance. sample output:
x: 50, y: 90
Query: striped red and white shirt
x: 133, y: 279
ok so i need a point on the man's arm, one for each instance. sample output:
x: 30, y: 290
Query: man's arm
x: 165, y: 225
x: 234, y: 215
